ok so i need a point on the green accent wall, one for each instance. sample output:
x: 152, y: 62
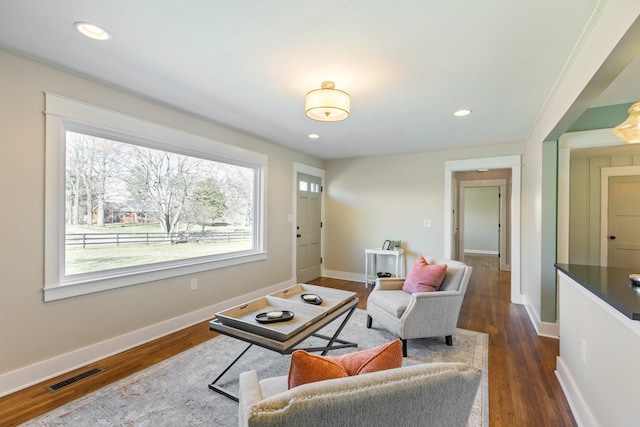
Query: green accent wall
x: 548, y: 288
x: 601, y: 117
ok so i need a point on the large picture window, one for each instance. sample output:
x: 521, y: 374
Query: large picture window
x: 130, y: 201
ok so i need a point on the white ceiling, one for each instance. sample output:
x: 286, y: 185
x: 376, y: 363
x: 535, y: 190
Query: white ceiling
x: 408, y: 65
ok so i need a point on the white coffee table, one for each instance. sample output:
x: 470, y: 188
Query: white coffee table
x: 283, y: 337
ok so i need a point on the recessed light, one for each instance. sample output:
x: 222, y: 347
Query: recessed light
x: 92, y: 31
x: 314, y: 136
x: 462, y: 113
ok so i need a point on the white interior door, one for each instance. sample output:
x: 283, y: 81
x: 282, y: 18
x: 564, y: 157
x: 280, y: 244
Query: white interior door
x: 623, y: 249
x: 308, y: 228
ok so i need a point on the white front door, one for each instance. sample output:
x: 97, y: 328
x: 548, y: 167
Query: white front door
x: 308, y: 228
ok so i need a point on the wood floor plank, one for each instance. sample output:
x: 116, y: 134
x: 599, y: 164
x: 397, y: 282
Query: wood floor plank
x: 523, y: 389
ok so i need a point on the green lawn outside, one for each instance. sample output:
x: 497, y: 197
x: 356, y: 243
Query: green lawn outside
x: 100, y: 258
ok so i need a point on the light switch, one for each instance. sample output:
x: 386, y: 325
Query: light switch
x: 426, y: 223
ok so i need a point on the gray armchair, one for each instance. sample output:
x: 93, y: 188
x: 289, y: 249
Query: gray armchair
x: 434, y: 394
x: 422, y: 314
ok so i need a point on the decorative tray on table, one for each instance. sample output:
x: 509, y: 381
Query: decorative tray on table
x: 283, y: 314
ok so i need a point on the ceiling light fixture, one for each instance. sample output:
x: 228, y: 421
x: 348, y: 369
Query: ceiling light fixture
x: 462, y: 113
x: 92, y: 31
x: 313, y: 136
x: 629, y: 130
x: 327, y: 104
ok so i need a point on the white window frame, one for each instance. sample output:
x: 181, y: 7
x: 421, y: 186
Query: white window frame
x: 64, y: 114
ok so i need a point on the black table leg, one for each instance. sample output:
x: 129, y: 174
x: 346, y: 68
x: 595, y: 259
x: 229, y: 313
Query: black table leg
x: 333, y: 339
x: 331, y: 345
x: 221, y: 390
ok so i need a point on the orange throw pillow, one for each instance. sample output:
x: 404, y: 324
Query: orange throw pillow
x: 424, y: 277
x: 307, y: 367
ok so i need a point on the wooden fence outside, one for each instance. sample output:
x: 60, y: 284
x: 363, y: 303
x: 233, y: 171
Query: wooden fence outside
x: 98, y: 239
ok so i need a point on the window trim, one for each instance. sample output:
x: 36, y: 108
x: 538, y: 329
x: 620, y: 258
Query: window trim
x: 63, y: 114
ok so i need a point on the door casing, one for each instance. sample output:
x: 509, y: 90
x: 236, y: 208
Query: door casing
x: 515, y: 164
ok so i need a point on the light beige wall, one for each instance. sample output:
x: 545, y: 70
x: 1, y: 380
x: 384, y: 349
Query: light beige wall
x: 371, y: 199
x: 33, y: 331
x: 481, y: 219
x: 584, y: 198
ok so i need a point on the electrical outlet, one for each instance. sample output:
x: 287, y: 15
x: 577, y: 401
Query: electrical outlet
x: 426, y: 223
x: 194, y: 284
x: 583, y: 352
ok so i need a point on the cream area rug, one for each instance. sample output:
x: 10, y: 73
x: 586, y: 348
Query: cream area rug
x: 175, y: 392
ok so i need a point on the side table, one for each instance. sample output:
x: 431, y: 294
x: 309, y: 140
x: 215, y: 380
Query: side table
x: 370, y: 257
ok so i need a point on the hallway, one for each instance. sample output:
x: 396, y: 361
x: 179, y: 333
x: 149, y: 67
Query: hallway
x: 523, y: 388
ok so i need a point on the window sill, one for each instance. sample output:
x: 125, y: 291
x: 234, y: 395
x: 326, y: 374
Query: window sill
x: 69, y: 290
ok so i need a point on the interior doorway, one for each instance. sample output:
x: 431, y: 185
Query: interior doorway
x: 488, y: 217
x: 451, y: 218
x: 483, y: 224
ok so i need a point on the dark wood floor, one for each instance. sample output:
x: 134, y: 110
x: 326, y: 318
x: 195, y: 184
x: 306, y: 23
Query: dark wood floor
x: 523, y: 389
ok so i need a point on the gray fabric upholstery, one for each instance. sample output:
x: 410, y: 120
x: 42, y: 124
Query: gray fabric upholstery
x: 433, y: 394
x: 422, y: 314
x: 392, y: 301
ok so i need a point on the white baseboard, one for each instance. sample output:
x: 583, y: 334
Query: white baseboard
x: 21, y: 378
x: 544, y: 329
x: 549, y: 330
x: 343, y: 275
x: 480, y: 251
x: 579, y: 408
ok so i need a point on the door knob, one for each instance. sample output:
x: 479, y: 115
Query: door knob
x: 612, y: 237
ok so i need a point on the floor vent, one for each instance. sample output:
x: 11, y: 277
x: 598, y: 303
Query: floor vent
x: 74, y: 379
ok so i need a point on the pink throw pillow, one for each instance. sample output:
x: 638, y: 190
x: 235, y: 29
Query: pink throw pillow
x: 424, y: 277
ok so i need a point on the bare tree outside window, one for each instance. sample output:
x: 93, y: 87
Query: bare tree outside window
x: 130, y: 201
x: 128, y: 205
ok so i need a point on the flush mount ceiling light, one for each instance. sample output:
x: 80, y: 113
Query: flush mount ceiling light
x: 92, y: 31
x: 327, y: 104
x: 462, y: 113
x: 313, y: 136
x: 629, y: 130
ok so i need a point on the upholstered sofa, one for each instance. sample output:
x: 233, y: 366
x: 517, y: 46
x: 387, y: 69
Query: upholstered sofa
x: 420, y: 314
x: 432, y: 394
